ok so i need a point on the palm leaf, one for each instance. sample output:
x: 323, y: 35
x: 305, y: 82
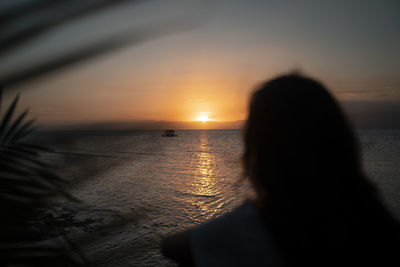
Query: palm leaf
x: 7, y: 117
x: 24, y: 130
x: 27, y: 185
x: 12, y: 130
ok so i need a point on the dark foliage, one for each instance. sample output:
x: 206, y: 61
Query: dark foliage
x: 27, y: 186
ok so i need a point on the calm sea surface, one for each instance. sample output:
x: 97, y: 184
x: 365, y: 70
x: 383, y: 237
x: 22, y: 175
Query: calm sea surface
x: 168, y: 184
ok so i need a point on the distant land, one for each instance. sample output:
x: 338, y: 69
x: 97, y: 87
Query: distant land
x: 145, y: 125
x: 363, y: 115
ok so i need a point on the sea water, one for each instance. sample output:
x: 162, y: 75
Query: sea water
x: 170, y: 183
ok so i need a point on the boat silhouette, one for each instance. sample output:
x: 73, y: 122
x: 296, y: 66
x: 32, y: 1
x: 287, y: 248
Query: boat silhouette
x: 169, y: 133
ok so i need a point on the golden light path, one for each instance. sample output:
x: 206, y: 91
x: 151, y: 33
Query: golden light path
x: 205, y: 184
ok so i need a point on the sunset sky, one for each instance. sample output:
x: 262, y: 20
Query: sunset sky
x: 207, y: 72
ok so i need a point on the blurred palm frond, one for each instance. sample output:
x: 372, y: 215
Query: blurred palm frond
x: 133, y: 37
x: 22, y: 24
x: 65, y: 10
x: 27, y: 185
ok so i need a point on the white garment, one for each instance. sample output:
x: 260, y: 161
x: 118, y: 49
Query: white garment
x: 238, y: 238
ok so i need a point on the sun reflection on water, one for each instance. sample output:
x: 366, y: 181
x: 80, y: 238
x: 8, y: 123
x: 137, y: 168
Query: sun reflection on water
x: 205, y: 186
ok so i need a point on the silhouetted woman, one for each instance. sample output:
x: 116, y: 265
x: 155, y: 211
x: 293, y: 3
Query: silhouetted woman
x: 314, y: 205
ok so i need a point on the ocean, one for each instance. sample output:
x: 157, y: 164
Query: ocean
x: 154, y: 185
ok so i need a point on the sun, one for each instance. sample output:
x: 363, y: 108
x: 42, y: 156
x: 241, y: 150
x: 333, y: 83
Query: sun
x: 203, y: 118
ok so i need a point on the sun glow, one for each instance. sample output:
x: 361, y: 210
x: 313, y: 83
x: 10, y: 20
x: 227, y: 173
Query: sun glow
x: 203, y: 118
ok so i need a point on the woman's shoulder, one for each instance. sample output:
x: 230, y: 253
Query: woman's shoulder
x: 238, y: 238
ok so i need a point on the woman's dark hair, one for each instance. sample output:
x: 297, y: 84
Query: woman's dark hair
x: 302, y: 157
